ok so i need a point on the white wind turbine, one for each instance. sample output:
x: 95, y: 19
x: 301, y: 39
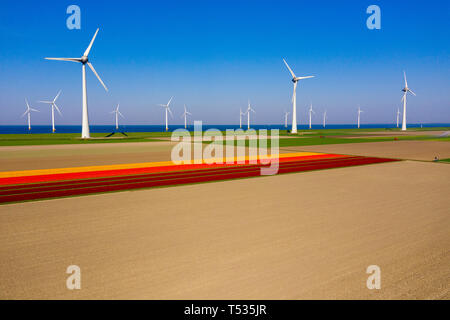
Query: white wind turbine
x: 167, y: 110
x: 286, y: 114
x: 324, y: 118
x: 28, y: 112
x: 54, y: 106
x: 359, y: 115
x: 240, y: 117
x: 311, y: 111
x: 85, y: 134
x: 398, y: 116
x: 185, y: 114
x: 294, y: 102
x: 405, y: 90
x: 117, y: 114
x: 248, y: 114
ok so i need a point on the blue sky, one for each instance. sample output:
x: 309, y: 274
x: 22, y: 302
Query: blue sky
x: 214, y: 55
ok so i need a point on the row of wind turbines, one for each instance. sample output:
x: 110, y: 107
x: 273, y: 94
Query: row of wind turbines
x: 296, y: 79
x: 85, y: 132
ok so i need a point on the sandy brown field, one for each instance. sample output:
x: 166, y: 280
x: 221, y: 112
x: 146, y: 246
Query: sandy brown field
x: 294, y: 236
x: 412, y: 150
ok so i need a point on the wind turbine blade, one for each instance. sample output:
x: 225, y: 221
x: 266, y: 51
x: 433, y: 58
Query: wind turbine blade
x: 120, y: 114
x: 65, y: 59
x: 26, y: 101
x: 86, y: 53
x: 24, y: 113
x: 170, y: 111
x: 34, y: 110
x: 57, y: 96
x: 162, y: 105
x: 57, y: 109
x: 290, y: 70
x: 168, y: 103
x: 49, y: 102
x: 187, y: 112
x: 404, y: 75
x: 412, y: 92
x: 96, y: 74
x: 306, y: 77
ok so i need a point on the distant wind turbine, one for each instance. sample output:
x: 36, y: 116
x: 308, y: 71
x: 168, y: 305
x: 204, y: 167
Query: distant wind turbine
x: 54, y: 106
x: 405, y: 90
x: 117, y: 114
x: 85, y: 133
x: 311, y: 111
x: 28, y: 112
x: 249, y: 108
x: 398, y: 115
x: 295, y: 79
x: 185, y: 114
x: 240, y: 117
x: 324, y: 118
x: 167, y: 110
x: 286, y: 114
x: 359, y: 115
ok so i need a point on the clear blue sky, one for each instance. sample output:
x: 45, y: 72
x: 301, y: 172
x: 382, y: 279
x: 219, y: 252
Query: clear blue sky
x: 214, y: 55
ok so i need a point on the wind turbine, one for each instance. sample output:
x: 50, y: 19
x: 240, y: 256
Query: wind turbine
x: 240, y: 117
x: 398, y: 115
x: 54, y: 106
x: 359, y: 115
x: 294, y: 102
x: 28, y: 112
x: 286, y: 114
x: 405, y: 90
x: 167, y: 110
x: 117, y: 114
x: 311, y: 111
x: 324, y: 117
x: 185, y: 116
x: 248, y: 114
x: 85, y: 134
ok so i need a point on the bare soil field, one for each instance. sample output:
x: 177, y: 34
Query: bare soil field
x: 412, y: 150
x: 74, y: 155
x: 295, y: 236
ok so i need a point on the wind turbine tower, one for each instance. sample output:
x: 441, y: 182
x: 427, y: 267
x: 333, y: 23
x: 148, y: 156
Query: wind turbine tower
x: 249, y: 108
x: 117, y: 114
x: 405, y: 92
x: 167, y: 110
x: 359, y: 116
x: 185, y: 116
x: 28, y: 113
x: 311, y: 111
x: 54, y: 106
x: 85, y: 133
x: 295, y: 79
x: 286, y: 114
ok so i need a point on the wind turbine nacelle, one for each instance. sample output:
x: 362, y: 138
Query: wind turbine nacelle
x: 405, y: 89
x: 84, y: 59
x: 294, y: 80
